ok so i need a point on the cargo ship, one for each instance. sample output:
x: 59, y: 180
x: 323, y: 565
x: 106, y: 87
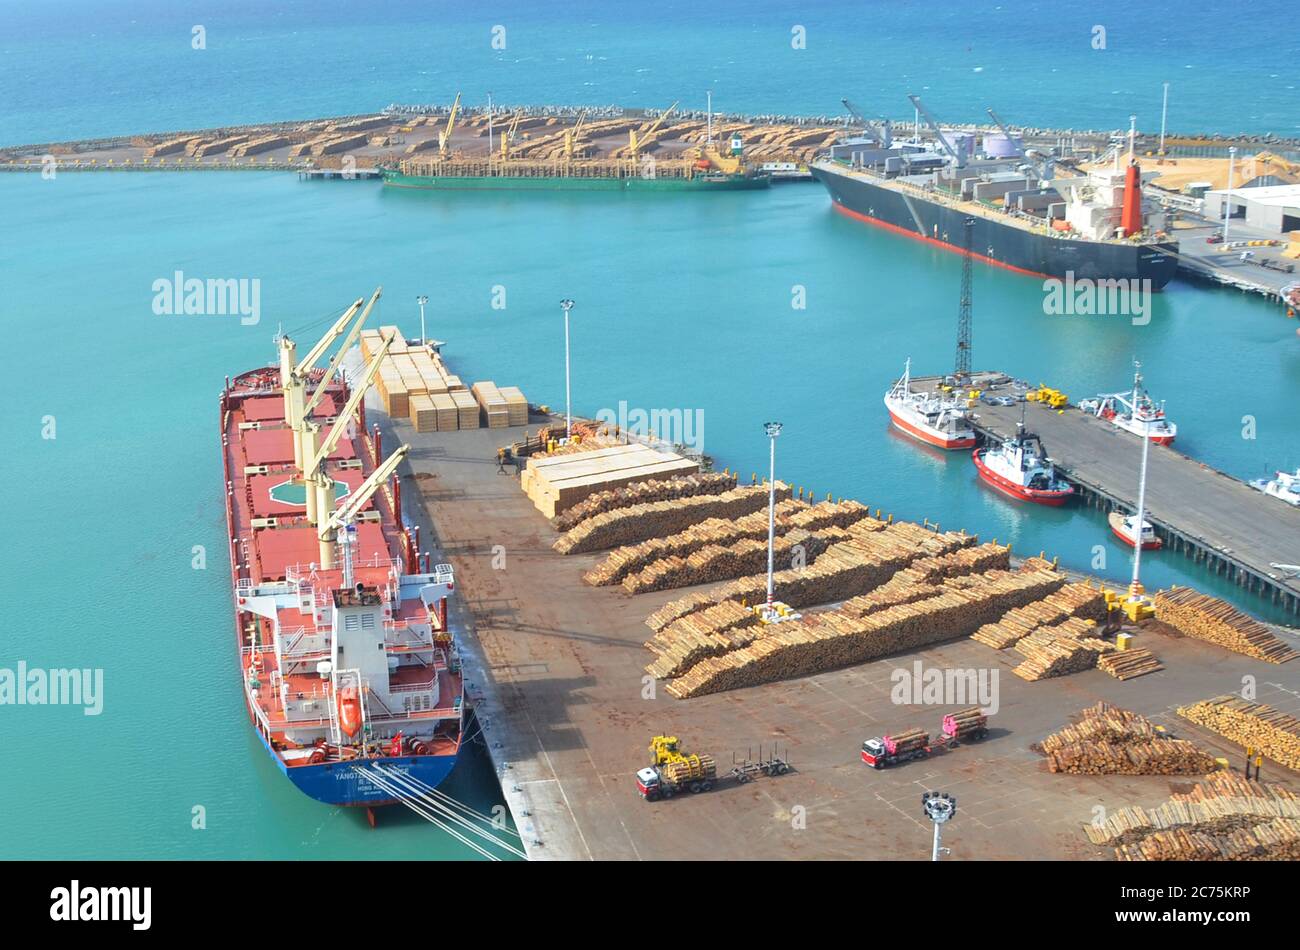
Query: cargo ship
x: 1025, y: 218
x: 575, y: 176
x: 348, y: 663
x: 928, y: 417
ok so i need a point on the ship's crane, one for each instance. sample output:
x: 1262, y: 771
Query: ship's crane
x: 509, y: 138
x: 337, y: 359
x: 319, y: 486
x: 880, y: 130
x: 444, y: 137
x: 346, y: 513
x: 1006, y: 132
x: 636, y: 143
x: 294, y: 372
x: 943, y: 140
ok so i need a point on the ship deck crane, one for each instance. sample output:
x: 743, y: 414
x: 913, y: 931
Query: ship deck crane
x: 943, y: 140
x: 444, y: 137
x: 294, y: 372
x: 342, y: 518
x: 337, y: 359
x: 319, y: 486
x: 636, y: 143
x: 880, y: 130
x: 1007, y: 133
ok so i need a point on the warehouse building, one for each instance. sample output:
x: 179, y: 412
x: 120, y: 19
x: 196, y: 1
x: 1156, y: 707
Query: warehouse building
x: 1273, y: 208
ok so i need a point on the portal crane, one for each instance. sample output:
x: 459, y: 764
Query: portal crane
x: 943, y: 140
x: 444, y: 137
x: 635, y: 143
x: 342, y: 518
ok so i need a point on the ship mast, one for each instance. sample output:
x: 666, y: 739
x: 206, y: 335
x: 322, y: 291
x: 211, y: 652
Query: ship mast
x: 1135, y: 586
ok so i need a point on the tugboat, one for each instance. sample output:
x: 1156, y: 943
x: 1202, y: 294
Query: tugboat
x: 1285, y: 486
x: 928, y: 417
x: 1133, y: 411
x: 1019, y: 467
x: 1124, y: 527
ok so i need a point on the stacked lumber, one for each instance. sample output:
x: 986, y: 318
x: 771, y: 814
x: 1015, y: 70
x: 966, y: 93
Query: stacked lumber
x: 829, y: 514
x: 170, y: 147
x: 634, y: 558
x: 557, y: 482
x: 448, y: 417
x: 963, y: 722
x: 466, y: 408
x: 1209, y: 618
x: 1059, y: 650
x: 424, y: 414
x: 1259, y: 727
x: 1129, y: 664
x: 516, y: 405
x: 720, y: 629
x: 654, y: 489
x: 200, y: 148
x: 829, y: 640
x: 264, y: 143
x: 690, y: 767
x: 1221, y: 803
x: 496, y: 413
x: 1033, y: 564
x: 1112, y: 741
x: 640, y: 522
x: 717, y: 562
x: 906, y: 741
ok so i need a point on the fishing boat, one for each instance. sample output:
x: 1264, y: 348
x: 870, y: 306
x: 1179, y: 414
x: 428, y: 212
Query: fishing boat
x: 1020, y: 468
x: 1124, y: 527
x: 1282, y: 485
x: 349, y: 666
x: 1133, y: 411
x: 928, y: 417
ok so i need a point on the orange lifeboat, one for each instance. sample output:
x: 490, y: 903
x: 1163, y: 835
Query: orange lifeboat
x: 349, y: 710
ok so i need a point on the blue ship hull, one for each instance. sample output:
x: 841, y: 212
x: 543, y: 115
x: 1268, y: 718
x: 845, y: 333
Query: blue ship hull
x: 337, y: 783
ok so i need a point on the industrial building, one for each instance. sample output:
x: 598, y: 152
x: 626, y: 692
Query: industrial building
x: 1272, y: 208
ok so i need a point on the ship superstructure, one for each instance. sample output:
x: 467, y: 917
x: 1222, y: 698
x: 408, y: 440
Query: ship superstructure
x: 347, y: 656
x: 928, y: 417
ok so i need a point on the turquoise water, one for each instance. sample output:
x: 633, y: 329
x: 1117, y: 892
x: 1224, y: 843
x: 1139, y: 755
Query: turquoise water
x: 78, y: 68
x: 681, y: 303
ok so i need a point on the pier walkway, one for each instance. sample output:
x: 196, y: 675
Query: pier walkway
x: 1212, y: 517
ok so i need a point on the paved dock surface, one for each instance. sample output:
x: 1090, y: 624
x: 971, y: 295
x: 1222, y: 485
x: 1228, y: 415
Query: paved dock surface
x: 1185, y: 497
x: 557, y: 670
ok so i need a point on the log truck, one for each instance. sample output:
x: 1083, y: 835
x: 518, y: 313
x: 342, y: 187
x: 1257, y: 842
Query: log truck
x: 964, y: 725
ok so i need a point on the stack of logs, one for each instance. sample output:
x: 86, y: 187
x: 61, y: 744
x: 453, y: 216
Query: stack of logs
x: 1208, y: 618
x: 1073, y: 600
x: 709, y: 483
x: 832, y: 639
x: 1130, y: 663
x: 641, y: 522
x: 1060, y: 649
x: 1112, y: 741
x: 1258, y: 727
x: 1216, y: 807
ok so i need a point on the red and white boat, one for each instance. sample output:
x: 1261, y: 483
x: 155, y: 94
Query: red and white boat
x: 1020, y: 468
x: 1133, y: 411
x: 1124, y: 527
x: 928, y: 417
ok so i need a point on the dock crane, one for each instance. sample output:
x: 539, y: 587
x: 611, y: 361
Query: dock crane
x: 444, y: 137
x: 318, y: 485
x: 635, y: 143
x: 1011, y: 140
x: 294, y: 373
x: 943, y: 140
x: 881, y: 130
x: 508, y: 138
x: 343, y: 518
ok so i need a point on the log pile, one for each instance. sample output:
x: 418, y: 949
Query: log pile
x: 832, y: 639
x: 1262, y: 728
x: 1112, y: 741
x: 1209, y: 618
x: 1129, y: 664
x: 718, y: 562
x: 874, y: 553
x: 633, y: 558
x: 709, y: 483
x: 1073, y: 600
x: 682, y: 644
x: 1059, y: 650
x: 1037, y: 564
x: 1221, y: 803
x: 641, y: 522
x: 1276, y: 840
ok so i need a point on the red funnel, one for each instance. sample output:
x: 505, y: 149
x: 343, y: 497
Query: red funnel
x: 1131, y: 216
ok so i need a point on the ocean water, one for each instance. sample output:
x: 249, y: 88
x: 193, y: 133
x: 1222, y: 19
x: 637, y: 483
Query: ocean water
x: 682, y: 303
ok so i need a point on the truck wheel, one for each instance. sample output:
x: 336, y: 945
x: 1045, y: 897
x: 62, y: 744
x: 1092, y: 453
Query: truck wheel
x: 742, y: 778
x: 668, y: 793
x: 782, y: 769
x: 706, y: 786
x: 652, y: 796
x: 695, y: 788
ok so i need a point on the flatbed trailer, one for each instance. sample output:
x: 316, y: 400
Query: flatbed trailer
x: 654, y: 782
x: 967, y: 725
